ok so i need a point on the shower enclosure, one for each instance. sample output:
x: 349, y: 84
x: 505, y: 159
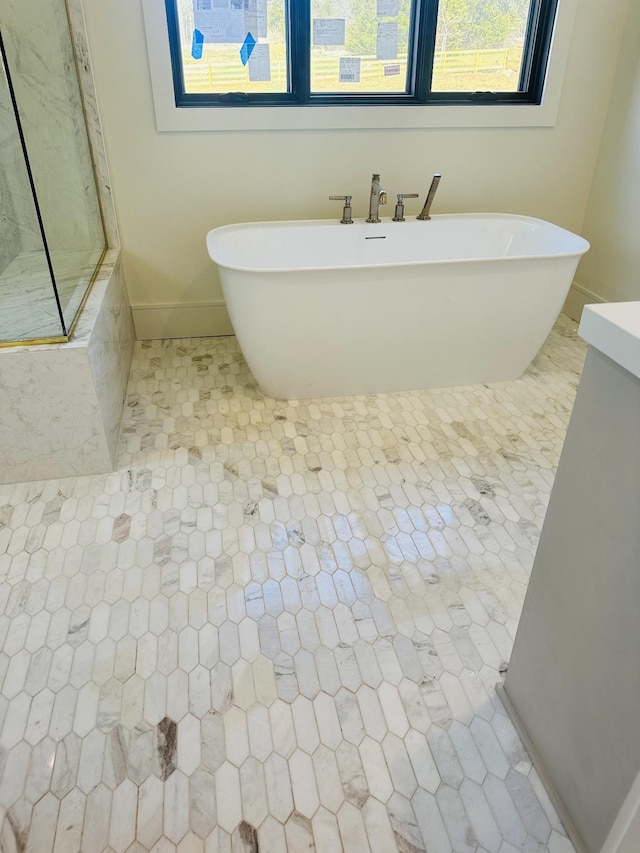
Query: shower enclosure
x: 52, y: 238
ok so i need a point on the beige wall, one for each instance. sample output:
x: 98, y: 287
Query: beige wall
x: 611, y: 270
x: 171, y: 188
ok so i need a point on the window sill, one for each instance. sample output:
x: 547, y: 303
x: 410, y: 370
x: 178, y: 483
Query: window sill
x: 172, y: 118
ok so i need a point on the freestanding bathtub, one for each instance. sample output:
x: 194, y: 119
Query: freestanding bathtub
x: 322, y: 309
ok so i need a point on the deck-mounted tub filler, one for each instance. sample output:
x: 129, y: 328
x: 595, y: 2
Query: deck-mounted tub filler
x: 325, y: 310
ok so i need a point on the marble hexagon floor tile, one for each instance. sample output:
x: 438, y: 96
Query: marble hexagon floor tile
x: 279, y: 625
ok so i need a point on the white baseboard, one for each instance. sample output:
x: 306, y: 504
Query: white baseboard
x: 195, y: 320
x: 577, y: 298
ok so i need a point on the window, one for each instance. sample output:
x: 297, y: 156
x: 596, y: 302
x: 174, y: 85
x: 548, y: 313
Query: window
x: 231, y: 53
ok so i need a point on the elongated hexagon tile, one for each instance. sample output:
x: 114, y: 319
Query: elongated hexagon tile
x: 70, y: 821
x: 254, y: 791
x: 228, y: 797
x: 299, y: 832
x: 213, y: 742
x: 352, y: 774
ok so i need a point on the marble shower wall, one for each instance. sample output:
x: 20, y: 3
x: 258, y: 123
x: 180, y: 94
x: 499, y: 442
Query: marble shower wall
x: 43, y: 69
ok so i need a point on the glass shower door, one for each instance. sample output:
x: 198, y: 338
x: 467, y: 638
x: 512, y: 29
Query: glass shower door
x: 42, y: 70
x: 29, y: 309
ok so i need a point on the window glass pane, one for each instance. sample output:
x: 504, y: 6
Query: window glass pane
x: 359, y: 46
x: 479, y: 45
x: 233, y: 46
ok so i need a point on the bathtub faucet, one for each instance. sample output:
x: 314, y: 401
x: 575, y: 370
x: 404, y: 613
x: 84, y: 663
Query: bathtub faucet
x: 430, y: 196
x: 346, y: 210
x: 378, y: 197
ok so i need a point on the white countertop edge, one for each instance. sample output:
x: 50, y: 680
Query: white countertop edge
x: 614, y: 329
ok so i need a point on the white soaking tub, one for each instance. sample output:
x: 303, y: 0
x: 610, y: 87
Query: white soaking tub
x: 322, y: 309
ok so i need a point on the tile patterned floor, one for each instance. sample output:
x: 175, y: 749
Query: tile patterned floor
x: 278, y: 625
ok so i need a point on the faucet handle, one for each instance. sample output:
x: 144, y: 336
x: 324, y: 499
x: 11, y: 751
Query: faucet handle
x: 346, y: 210
x: 398, y: 216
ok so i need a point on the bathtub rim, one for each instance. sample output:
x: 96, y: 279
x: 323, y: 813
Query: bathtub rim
x: 296, y: 223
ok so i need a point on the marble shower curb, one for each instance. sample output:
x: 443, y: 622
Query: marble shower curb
x: 62, y: 403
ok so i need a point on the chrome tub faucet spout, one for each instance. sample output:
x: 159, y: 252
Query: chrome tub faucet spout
x: 430, y: 197
x: 378, y: 197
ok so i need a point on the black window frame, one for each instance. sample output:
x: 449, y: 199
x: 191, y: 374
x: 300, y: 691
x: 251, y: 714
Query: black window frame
x: 422, y: 39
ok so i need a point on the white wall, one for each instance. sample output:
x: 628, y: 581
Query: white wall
x: 171, y: 188
x: 611, y: 270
